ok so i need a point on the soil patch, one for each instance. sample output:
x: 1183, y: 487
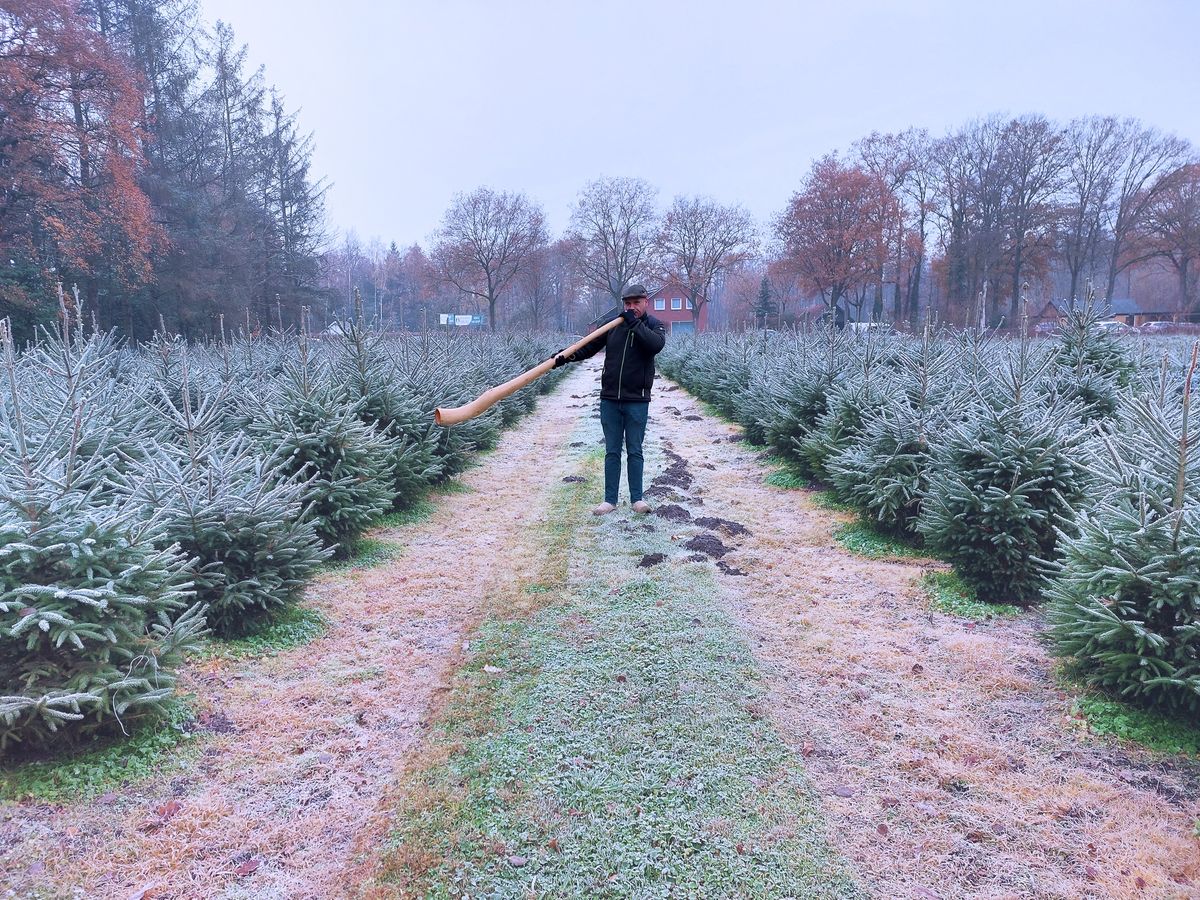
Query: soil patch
x: 708, y: 544
x: 651, y: 559
x: 673, y: 512
x: 675, y: 476
x: 733, y: 529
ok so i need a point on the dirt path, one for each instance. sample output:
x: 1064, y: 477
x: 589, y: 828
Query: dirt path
x: 946, y: 758
x: 303, y: 744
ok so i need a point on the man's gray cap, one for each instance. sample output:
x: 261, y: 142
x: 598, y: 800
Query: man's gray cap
x: 634, y: 291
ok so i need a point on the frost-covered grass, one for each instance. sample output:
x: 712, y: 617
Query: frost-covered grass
x: 613, y: 743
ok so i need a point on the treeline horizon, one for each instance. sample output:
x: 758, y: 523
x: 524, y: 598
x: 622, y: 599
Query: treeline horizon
x: 149, y: 169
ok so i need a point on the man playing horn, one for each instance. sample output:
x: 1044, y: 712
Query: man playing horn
x: 629, y: 351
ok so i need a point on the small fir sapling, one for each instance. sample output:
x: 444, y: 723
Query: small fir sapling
x: 240, y: 521
x: 388, y: 405
x: 885, y: 471
x: 1093, y: 367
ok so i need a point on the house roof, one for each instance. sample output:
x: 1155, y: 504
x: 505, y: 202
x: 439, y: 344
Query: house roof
x: 1123, y: 306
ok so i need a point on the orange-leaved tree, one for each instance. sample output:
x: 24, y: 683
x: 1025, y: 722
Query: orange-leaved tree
x: 71, y: 147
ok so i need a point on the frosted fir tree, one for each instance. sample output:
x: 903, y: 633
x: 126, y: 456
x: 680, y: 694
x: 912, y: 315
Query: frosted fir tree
x: 1004, y: 478
x: 311, y: 429
x: 94, y: 611
x: 1094, y: 367
x: 1125, y: 597
x: 885, y: 471
x: 239, y: 519
x: 449, y: 373
x: 388, y: 405
x: 850, y: 400
x: 799, y: 395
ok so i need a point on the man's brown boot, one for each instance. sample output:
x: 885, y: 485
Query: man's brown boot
x: 641, y: 507
x: 603, y: 509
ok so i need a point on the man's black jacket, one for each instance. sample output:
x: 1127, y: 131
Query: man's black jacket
x: 628, y: 359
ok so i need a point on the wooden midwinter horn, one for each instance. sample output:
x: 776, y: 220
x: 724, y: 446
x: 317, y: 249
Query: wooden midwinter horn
x: 492, y: 396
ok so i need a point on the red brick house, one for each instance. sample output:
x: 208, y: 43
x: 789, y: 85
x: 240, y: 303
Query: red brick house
x: 670, y: 304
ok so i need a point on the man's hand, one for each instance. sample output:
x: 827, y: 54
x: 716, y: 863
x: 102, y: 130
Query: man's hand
x: 559, y: 359
x: 630, y: 316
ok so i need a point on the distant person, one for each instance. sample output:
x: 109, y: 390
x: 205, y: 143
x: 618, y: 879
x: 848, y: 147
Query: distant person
x: 629, y: 351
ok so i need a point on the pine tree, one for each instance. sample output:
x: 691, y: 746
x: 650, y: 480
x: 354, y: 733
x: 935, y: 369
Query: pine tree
x: 240, y: 522
x: 885, y: 471
x: 1126, y: 595
x: 1094, y: 368
x: 798, y: 393
x: 94, y: 611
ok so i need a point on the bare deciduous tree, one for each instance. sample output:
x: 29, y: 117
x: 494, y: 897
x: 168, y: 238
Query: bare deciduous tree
x: 1148, y: 156
x: 612, y: 227
x: 699, y: 240
x: 485, y: 239
x: 1094, y: 152
x: 1171, y: 229
x: 1034, y: 158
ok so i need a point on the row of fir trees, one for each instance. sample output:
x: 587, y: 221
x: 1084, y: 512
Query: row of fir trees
x: 1063, y: 470
x: 152, y: 495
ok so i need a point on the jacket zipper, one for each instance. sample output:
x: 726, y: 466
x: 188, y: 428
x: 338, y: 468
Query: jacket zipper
x: 621, y: 376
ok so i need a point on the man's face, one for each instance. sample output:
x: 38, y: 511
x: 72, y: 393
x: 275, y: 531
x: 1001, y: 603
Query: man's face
x: 639, y: 305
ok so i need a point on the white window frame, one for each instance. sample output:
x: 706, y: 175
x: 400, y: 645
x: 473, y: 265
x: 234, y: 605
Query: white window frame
x: 689, y: 302
x: 660, y: 302
x: 676, y: 303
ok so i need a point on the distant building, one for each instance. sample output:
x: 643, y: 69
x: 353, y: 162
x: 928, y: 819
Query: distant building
x: 670, y: 304
x: 1124, y: 309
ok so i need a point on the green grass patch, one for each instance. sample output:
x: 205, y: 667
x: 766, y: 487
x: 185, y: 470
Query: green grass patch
x: 410, y: 515
x: 949, y: 594
x: 786, y: 476
x: 864, y: 539
x: 367, y: 552
x: 83, y: 772
x: 1155, y: 730
x: 612, y: 743
x: 827, y: 499
x: 292, y: 627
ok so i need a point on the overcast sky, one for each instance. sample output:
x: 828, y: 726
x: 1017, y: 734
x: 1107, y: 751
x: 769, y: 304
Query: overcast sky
x: 414, y: 103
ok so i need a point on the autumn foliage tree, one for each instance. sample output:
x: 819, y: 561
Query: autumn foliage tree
x: 1171, y: 229
x: 71, y: 145
x: 833, y: 229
